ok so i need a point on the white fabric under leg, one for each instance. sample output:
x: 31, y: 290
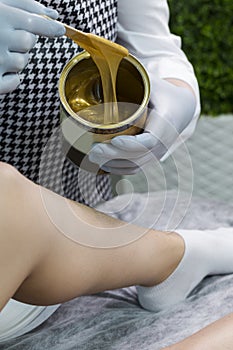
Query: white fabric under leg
x: 18, y: 318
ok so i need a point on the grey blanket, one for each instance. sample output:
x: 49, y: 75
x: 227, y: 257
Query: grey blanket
x: 113, y: 319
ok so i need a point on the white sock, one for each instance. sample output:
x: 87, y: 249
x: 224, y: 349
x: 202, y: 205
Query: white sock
x: 208, y: 252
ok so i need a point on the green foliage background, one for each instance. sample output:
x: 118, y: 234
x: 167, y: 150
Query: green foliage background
x: 206, y: 28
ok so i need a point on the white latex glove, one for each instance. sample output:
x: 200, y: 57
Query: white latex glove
x: 172, y: 110
x: 19, y: 25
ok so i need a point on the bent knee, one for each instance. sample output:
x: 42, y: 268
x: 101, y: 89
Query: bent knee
x: 11, y: 184
x: 7, y: 173
x: 10, y: 177
x: 18, y: 209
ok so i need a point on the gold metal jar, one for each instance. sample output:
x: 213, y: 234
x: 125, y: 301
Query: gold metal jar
x: 83, y: 128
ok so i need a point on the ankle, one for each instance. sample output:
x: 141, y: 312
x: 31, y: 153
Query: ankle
x: 176, y: 253
x: 169, y: 258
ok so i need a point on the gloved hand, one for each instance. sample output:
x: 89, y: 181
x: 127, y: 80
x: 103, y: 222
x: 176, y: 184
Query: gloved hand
x: 19, y: 25
x: 172, y: 110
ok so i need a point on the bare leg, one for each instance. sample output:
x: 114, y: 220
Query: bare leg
x: 216, y: 336
x: 39, y: 265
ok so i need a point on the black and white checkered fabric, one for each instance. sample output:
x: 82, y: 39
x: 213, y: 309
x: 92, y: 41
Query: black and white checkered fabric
x: 30, y: 115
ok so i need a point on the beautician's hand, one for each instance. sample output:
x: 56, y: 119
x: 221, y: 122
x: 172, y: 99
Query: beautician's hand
x: 19, y: 25
x: 172, y: 110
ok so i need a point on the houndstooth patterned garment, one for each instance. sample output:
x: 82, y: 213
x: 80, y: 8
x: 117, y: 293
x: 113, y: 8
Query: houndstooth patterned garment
x: 29, y: 122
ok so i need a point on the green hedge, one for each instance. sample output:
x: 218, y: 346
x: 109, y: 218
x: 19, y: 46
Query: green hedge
x: 206, y: 27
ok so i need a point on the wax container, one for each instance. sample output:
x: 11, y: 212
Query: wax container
x: 82, y: 107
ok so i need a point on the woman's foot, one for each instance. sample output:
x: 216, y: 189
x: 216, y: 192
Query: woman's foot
x: 207, y: 252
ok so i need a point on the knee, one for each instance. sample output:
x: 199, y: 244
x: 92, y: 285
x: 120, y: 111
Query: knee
x: 7, y: 173
x: 13, y: 205
x: 10, y: 183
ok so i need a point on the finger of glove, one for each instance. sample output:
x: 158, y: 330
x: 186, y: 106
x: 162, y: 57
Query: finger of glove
x: 142, y: 144
x: 135, y: 144
x: 32, y: 7
x: 161, y: 129
x: 15, y: 62
x: 21, y: 41
x: 120, y: 163
x: 38, y: 25
x: 158, y: 132
x: 106, y: 152
x: 13, y: 18
x: 177, y: 104
x: 116, y: 159
x: 8, y: 83
x: 121, y: 171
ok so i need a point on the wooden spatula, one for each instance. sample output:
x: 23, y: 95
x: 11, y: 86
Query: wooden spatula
x: 91, y: 41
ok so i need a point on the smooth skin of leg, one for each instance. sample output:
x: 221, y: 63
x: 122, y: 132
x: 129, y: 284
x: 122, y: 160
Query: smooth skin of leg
x: 216, y: 336
x: 40, y: 265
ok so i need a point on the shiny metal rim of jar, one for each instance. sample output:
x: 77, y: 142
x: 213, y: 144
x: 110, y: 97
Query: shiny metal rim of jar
x: 84, y: 54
